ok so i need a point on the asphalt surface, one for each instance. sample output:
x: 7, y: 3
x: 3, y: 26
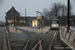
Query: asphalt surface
x: 2, y: 30
x: 18, y: 41
x: 47, y: 41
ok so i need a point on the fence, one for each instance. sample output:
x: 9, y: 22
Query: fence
x: 68, y: 38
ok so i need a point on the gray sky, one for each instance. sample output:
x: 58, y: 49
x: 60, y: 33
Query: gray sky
x: 31, y: 6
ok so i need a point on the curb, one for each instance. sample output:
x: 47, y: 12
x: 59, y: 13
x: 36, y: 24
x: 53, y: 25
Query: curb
x: 8, y: 42
x: 4, y: 42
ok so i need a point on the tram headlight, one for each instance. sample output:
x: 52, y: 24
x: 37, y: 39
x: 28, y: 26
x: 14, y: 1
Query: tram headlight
x: 54, y: 25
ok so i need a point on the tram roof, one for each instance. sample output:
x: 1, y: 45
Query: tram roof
x: 54, y: 19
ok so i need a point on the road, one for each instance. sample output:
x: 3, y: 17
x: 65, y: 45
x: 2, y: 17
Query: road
x: 2, y: 30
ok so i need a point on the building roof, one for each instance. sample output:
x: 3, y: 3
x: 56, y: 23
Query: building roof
x: 25, y: 18
x: 12, y: 10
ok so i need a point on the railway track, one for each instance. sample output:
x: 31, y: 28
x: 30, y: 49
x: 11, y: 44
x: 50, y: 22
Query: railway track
x: 31, y: 36
x: 26, y: 43
x: 52, y: 40
x: 41, y: 41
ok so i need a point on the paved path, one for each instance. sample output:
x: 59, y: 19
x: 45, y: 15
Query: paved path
x: 12, y: 30
x: 19, y: 40
x: 2, y: 30
x: 35, y: 29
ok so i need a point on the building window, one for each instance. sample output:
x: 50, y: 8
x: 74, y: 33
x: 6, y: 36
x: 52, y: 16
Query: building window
x: 34, y: 23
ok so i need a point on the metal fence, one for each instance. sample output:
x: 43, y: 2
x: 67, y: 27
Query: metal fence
x: 68, y: 38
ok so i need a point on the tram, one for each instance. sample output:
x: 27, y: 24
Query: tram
x: 54, y: 24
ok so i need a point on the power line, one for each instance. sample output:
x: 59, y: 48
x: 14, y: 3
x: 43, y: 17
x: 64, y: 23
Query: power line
x: 24, y: 4
x: 51, y: 2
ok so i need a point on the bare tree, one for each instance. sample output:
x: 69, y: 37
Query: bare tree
x: 63, y: 10
x: 57, y: 9
x: 45, y: 12
x: 71, y: 13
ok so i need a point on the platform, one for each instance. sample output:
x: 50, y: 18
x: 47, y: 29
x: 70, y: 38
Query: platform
x: 12, y: 30
x: 45, y: 29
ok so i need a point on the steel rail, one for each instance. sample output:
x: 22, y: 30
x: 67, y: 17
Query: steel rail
x: 46, y: 35
x: 39, y: 42
x: 25, y: 48
x: 52, y: 40
x: 27, y: 43
x: 29, y: 40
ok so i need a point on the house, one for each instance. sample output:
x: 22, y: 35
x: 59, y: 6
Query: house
x: 10, y: 16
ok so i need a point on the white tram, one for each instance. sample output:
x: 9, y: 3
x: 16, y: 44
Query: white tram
x: 54, y: 24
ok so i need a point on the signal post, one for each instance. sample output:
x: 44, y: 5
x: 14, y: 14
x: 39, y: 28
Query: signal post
x: 16, y: 24
x: 41, y: 23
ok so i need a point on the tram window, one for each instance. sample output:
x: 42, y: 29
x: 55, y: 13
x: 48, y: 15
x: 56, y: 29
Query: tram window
x: 54, y: 22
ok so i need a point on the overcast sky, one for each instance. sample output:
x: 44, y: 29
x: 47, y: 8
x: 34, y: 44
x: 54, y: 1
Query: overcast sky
x: 31, y: 6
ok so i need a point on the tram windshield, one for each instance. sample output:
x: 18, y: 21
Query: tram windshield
x: 54, y: 22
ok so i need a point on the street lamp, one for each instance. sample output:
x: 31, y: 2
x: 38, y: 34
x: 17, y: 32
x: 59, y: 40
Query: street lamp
x: 39, y: 12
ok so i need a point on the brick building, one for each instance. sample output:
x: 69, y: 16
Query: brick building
x: 32, y: 21
x: 22, y: 21
x: 10, y: 16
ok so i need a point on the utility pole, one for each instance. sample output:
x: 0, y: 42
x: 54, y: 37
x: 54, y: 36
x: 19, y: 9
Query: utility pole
x: 55, y: 10
x: 63, y: 15
x: 25, y: 12
x: 68, y: 14
x: 16, y: 24
x: 36, y: 13
x: 25, y: 16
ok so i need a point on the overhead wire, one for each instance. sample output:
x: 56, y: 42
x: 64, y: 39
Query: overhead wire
x: 24, y: 4
x: 51, y: 2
